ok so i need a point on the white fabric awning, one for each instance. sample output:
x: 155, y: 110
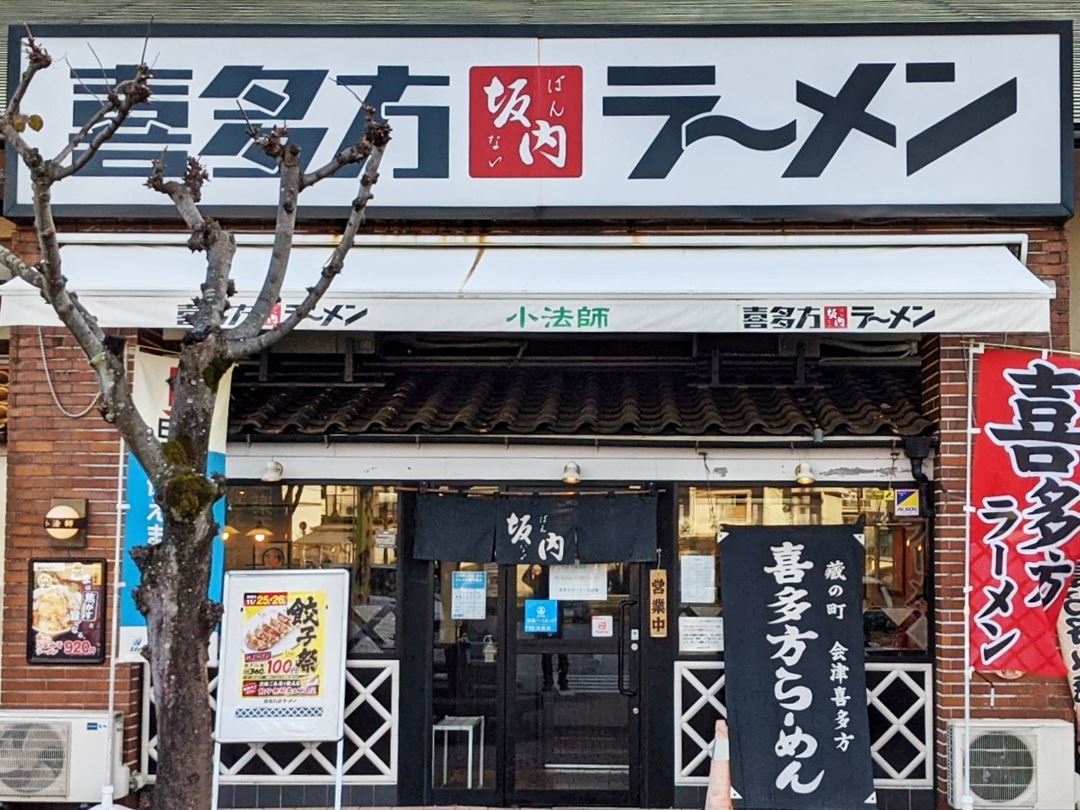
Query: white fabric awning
x: 582, y: 286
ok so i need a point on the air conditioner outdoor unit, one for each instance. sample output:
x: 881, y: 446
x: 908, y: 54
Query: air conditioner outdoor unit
x: 59, y: 756
x: 1014, y: 763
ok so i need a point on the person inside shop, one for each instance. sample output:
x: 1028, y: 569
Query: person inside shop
x: 535, y: 578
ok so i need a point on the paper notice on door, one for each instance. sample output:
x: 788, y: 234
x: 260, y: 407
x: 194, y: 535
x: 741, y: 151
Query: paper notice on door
x: 468, y: 595
x: 701, y: 634
x: 577, y: 583
x: 697, y: 579
x: 603, y: 626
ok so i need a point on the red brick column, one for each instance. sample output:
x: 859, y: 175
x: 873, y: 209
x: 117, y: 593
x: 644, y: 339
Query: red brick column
x: 51, y: 455
x: 945, y: 386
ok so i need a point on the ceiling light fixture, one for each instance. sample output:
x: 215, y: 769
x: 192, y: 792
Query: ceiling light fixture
x: 571, y: 473
x: 273, y: 471
x: 804, y: 474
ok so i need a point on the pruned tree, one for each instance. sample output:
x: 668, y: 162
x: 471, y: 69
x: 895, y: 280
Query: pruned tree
x: 176, y: 572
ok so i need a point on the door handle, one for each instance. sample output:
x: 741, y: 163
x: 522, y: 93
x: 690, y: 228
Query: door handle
x: 622, y: 611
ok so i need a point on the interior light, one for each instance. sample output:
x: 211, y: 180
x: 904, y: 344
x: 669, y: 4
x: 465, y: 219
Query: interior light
x: 260, y: 533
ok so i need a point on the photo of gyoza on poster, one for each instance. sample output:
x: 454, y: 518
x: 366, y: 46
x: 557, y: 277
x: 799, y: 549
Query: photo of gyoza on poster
x: 283, y: 644
x: 1025, y: 518
x: 794, y: 664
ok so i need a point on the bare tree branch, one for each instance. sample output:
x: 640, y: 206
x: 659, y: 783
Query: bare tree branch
x: 378, y: 134
x: 357, y: 153
x: 186, y: 193
x: 220, y: 248
x: 287, y: 156
x: 117, y: 404
x: 119, y: 101
x: 37, y: 60
x: 207, y: 236
x: 16, y: 267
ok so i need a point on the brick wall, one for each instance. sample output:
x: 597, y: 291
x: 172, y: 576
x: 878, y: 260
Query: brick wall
x: 51, y: 455
x: 945, y: 400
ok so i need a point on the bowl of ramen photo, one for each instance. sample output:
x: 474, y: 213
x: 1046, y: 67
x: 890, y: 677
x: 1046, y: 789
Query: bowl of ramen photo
x: 57, y: 608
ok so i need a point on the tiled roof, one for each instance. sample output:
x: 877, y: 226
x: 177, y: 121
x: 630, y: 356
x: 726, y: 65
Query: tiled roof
x: 477, y: 402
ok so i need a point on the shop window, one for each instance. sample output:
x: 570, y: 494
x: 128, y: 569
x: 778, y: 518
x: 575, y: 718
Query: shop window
x: 894, y: 582
x: 324, y: 526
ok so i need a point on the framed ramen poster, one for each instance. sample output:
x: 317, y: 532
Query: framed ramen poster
x: 67, y: 612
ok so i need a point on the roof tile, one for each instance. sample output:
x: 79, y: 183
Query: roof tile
x: 476, y: 402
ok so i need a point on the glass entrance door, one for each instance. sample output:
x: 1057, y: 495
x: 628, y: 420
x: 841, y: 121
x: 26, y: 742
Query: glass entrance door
x: 572, y: 684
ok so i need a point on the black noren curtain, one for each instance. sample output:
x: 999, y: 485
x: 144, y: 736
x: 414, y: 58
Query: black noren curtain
x: 540, y: 529
x: 617, y: 529
x: 454, y: 528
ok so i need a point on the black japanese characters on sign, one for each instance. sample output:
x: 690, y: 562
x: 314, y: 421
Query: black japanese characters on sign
x: 1069, y: 636
x: 795, y: 676
x: 845, y: 122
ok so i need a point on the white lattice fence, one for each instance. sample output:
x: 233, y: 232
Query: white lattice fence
x: 371, y: 736
x: 900, y: 705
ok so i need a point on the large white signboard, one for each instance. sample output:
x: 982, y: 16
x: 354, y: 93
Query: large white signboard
x: 827, y: 122
x: 282, y: 675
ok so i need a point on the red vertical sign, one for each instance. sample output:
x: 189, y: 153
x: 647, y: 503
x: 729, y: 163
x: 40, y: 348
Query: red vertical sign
x: 1025, y: 494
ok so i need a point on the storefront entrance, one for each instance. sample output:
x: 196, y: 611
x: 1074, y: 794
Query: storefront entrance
x: 573, y: 700
x: 536, y: 703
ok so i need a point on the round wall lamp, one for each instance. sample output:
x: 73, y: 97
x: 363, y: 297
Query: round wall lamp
x: 64, y: 521
x: 571, y: 473
x: 228, y: 533
x: 804, y: 474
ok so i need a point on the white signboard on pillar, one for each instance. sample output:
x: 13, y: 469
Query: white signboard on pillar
x: 282, y: 670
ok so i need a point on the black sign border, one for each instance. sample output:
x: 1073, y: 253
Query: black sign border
x: 106, y: 636
x: 737, y: 213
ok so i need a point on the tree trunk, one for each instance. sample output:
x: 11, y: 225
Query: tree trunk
x: 173, y: 592
x: 178, y: 632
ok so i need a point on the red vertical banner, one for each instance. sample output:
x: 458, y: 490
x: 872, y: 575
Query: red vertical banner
x: 1025, y: 517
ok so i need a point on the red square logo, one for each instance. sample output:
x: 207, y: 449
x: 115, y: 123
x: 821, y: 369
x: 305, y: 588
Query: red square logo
x: 836, y: 318
x: 525, y: 121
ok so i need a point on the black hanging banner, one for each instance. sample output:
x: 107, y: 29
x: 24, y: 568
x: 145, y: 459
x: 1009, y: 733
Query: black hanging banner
x: 454, y: 528
x: 795, y: 674
x: 617, y: 529
x: 535, y: 530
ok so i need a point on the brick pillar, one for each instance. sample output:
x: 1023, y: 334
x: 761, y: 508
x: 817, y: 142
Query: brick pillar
x: 51, y: 455
x: 945, y: 383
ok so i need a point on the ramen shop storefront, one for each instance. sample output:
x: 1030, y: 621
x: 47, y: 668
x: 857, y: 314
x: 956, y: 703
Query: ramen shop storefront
x: 526, y: 448
x: 556, y: 681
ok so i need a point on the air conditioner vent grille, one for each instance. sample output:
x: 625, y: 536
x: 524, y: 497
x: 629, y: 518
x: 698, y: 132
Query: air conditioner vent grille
x: 34, y: 759
x: 1002, y: 767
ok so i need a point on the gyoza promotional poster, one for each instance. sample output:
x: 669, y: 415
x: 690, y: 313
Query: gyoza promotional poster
x: 283, y: 645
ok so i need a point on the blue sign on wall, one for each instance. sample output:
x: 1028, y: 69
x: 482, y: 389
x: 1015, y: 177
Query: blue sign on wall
x: 541, y: 616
